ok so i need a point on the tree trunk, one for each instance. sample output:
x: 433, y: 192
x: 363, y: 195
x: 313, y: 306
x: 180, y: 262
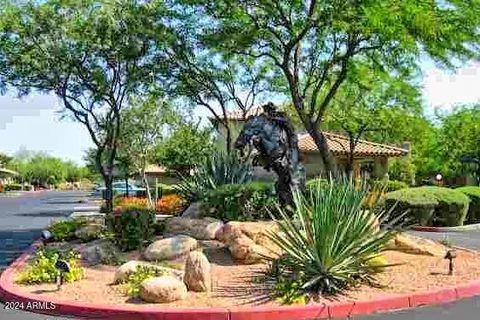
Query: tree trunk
x: 147, y: 188
x: 228, y: 137
x: 322, y: 145
x: 109, y: 191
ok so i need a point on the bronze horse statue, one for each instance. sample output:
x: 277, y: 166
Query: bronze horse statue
x: 272, y: 135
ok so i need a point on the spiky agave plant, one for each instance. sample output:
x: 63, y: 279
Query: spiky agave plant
x: 219, y: 169
x: 330, y: 238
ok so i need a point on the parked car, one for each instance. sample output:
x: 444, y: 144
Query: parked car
x: 120, y: 188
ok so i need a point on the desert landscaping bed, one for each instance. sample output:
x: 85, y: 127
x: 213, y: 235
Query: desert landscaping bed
x: 238, y: 285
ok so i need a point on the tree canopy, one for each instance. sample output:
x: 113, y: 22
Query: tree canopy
x: 314, y: 45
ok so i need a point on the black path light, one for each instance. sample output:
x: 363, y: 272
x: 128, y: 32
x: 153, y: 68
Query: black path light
x: 451, y: 254
x: 476, y: 161
x: 64, y: 267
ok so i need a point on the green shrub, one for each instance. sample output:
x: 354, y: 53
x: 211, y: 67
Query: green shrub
x: 246, y: 202
x: 429, y: 205
x: 217, y: 170
x: 131, y: 227
x: 473, y: 193
x: 13, y: 187
x: 388, y: 185
x: 330, y: 241
x: 136, y: 278
x: 42, y: 268
x: 65, y: 230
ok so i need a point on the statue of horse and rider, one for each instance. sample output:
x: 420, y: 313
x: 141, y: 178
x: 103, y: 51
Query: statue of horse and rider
x: 273, y: 136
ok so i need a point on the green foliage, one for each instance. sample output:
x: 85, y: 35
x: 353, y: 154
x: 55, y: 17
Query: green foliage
x: 186, y: 148
x: 13, y: 187
x: 65, y: 230
x: 402, y: 170
x: 388, y: 185
x: 132, y: 227
x: 473, y: 193
x: 166, y: 189
x: 331, y: 239
x: 313, y: 183
x: 458, y: 136
x: 141, y: 274
x: 429, y: 205
x: 40, y: 169
x: 246, y: 202
x: 289, y: 291
x: 219, y: 169
x: 42, y: 268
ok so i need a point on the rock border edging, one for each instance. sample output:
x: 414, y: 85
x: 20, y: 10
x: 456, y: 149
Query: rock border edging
x: 8, y: 292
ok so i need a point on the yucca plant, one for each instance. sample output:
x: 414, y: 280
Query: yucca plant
x: 330, y: 239
x: 220, y: 168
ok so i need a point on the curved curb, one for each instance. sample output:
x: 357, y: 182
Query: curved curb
x: 9, y: 293
x: 470, y: 227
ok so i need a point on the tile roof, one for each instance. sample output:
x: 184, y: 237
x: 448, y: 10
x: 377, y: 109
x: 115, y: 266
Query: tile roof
x: 339, y: 145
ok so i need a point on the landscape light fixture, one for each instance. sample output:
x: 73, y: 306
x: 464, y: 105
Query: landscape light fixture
x: 64, y: 267
x: 451, y: 254
x: 46, y: 236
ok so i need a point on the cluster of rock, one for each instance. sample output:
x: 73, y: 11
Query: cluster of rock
x: 173, y: 284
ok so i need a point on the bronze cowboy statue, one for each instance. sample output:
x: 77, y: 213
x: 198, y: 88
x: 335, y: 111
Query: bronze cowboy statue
x: 273, y: 136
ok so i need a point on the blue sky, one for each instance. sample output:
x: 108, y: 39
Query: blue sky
x: 33, y: 123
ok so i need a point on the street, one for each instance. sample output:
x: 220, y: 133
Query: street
x: 25, y: 216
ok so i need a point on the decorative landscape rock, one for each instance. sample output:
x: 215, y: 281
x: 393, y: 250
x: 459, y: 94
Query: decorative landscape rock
x: 193, y: 211
x: 129, y: 267
x: 200, y: 229
x: 95, y: 252
x: 415, y: 245
x: 170, y: 248
x: 197, y: 272
x: 162, y: 289
x: 248, y: 242
x: 89, y: 231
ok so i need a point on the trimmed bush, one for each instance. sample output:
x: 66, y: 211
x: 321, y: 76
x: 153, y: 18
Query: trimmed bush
x: 429, y: 205
x: 132, y: 227
x: 388, y: 185
x: 13, y: 187
x: 473, y: 193
x: 245, y: 202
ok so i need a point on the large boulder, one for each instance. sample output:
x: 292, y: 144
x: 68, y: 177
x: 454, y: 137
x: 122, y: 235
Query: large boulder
x: 197, y: 272
x: 415, y: 245
x: 170, y: 248
x: 193, y: 211
x: 89, y: 232
x: 200, y: 229
x: 249, y: 242
x: 91, y: 253
x: 129, y: 267
x: 162, y: 289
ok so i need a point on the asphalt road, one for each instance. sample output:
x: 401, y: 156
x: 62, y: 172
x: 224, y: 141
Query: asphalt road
x: 23, y: 218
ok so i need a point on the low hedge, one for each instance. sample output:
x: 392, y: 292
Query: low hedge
x: 388, y: 185
x: 428, y: 205
x: 473, y: 193
x: 13, y: 187
x: 245, y: 202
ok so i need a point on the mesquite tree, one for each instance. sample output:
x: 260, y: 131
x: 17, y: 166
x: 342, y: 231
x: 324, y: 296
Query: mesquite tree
x: 90, y: 54
x: 314, y: 44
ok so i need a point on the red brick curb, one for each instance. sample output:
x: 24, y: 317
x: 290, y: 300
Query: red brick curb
x: 9, y: 293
